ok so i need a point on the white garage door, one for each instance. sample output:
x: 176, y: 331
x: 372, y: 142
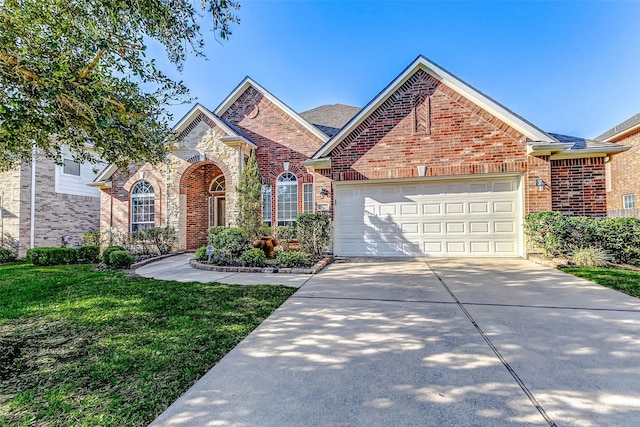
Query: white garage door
x: 438, y: 218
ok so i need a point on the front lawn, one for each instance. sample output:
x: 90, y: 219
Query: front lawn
x: 626, y: 281
x: 80, y: 347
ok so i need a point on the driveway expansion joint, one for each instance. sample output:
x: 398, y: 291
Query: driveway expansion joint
x: 495, y: 350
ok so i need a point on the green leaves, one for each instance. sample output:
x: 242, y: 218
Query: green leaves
x: 250, y: 199
x: 75, y: 73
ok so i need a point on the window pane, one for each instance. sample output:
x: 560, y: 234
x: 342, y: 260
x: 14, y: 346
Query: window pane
x: 286, y: 199
x: 142, y: 206
x: 70, y: 167
x: 266, y: 203
x: 307, y: 198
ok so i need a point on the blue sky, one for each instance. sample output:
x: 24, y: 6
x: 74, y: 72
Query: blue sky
x: 569, y: 67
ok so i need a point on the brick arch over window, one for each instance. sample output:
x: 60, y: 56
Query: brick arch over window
x: 159, y: 196
x: 300, y: 173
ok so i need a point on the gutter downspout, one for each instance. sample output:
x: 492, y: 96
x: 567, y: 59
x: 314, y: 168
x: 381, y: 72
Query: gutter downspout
x: 32, y: 225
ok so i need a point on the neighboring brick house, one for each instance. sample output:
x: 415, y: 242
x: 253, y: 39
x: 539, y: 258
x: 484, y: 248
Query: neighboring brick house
x: 41, y: 202
x: 430, y: 166
x: 623, y: 171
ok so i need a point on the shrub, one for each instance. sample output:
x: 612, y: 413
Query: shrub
x: 589, y: 257
x: 163, y: 238
x: 292, y: 259
x: 620, y: 237
x: 314, y: 232
x: 254, y: 257
x: 106, y: 254
x: 120, y: 259
x: 285, y: 233
x: 52, y: 256
x: 266, y: 230
x: 213, y: 232
x: 556, y: 234
x: 90, y: 254
x: 250, y: 198
x: 201, y: 254
x: 7, y: 255
x: 92, y: 238
x: 231, y: 242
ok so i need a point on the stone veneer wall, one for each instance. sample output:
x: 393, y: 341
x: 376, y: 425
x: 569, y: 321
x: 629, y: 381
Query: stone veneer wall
x: 171, y: 205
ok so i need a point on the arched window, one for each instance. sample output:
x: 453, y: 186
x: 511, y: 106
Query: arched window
x: 286, y: 199
x: 142, y: 206
x: 218, y: 184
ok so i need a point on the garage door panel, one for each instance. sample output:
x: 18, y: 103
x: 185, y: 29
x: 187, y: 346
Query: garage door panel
x: 454, y: 208
x: 472, y: 218
x: 431, y: 209
x: 480, y: 248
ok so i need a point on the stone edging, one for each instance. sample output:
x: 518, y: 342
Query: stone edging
x: 313, y: 270
x: 154, y: 259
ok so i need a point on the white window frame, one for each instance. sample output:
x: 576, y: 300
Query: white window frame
x: 629, y: 201
x: 142, y: 202
x: 286, y: 199
x: 307, y: 198
x: 219, y: 183
x: 267, y: 204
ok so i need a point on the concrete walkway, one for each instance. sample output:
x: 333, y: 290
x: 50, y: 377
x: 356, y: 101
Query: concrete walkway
x: 177, y: 268
x: 430, y: 343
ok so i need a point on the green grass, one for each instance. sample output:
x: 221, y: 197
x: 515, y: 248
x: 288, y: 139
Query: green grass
x: 626, y: 281
x: 80, y: 347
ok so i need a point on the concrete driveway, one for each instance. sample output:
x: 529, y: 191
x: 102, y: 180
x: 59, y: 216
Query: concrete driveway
x: 430, y: 343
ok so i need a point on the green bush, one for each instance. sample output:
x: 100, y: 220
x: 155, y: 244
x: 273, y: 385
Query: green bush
x: 120, y: 259
x: 589, y: 257
x: 93, y: 238
x: 231, y: 242
x: 289, y: 259
x: 285, y: 234
x: 266, y: 230
x: 7, y: 255
x: 314, y: 232
x: 52, y: 256
x: 106, y: 254
x: 253, y: 257
x: 201, y: 254
x: 620, y: 237
x: 213, y: 232
x: 89, y: 254
x: 163, y: 238
x: 555, y: 234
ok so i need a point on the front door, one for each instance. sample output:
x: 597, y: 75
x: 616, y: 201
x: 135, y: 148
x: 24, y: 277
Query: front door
x: 219, y: 211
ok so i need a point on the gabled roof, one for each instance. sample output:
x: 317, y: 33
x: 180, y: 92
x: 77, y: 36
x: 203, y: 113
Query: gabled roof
x: 249, y: 82
x: 630, y: 125
x: 227, y: 127
x: 330, y: 118
x: 233, y: 134
x: 532, y: 132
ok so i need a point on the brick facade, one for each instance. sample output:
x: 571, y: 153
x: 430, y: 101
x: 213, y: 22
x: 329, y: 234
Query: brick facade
x: 56, y: 214
x: 181, y: 185
x: 458, y: 138
x: 578, y: 187
x: 423, y: 123
x: 279, y: 137
x: 624, y: 172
